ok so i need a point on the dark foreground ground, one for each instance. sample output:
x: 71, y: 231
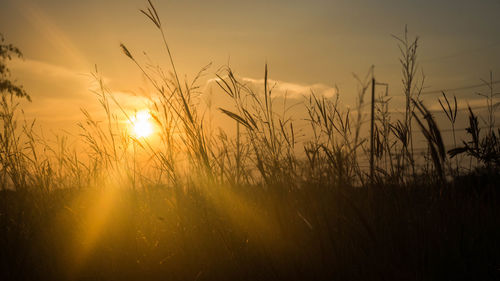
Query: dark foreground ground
x: 418, y: 232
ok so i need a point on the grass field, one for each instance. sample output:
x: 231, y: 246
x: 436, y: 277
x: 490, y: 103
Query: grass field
x: 254, y: 204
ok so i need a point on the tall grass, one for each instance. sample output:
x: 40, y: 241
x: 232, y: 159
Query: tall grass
x: 259, y: 205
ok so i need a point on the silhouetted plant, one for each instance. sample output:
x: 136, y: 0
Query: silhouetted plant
x: 486, y: 149
x: 7, y: 52
x: 411, y: 89
x: 451, y: 113
x: 432, y: 134
x: 212, y: 208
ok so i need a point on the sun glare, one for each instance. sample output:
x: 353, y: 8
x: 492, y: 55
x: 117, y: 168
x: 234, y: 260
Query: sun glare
x: 142, y: 125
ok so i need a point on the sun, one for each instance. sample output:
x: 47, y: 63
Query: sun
x: 141, y: 124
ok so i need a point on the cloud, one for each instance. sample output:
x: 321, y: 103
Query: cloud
x: 130, y: 101
x: 44, y: 80
x: 58, y: 92
x: 283, y: 88
x: 50, y: 30
x: 477, y: 103
x: 49, y: 70
x: 293, y: 90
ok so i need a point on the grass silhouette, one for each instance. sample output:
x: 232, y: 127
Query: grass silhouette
x: 257, y: 206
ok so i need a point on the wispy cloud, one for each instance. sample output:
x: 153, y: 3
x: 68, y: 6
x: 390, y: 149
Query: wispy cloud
x: 54, y: 34
x: 48, y: 70
x: 283, y: 88
x: 45, y: 80
x: 475, y: 102
x: 293, y: 90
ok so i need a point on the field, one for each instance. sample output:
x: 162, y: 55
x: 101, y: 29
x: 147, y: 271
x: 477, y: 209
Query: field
x: 253, y: 203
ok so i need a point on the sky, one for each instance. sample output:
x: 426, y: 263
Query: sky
x: 315, y: 44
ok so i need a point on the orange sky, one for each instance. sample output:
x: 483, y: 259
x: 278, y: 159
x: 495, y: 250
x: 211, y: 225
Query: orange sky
x: 307, y: 44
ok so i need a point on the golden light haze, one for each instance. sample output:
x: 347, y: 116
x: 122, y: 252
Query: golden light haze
x: 305, y: 43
